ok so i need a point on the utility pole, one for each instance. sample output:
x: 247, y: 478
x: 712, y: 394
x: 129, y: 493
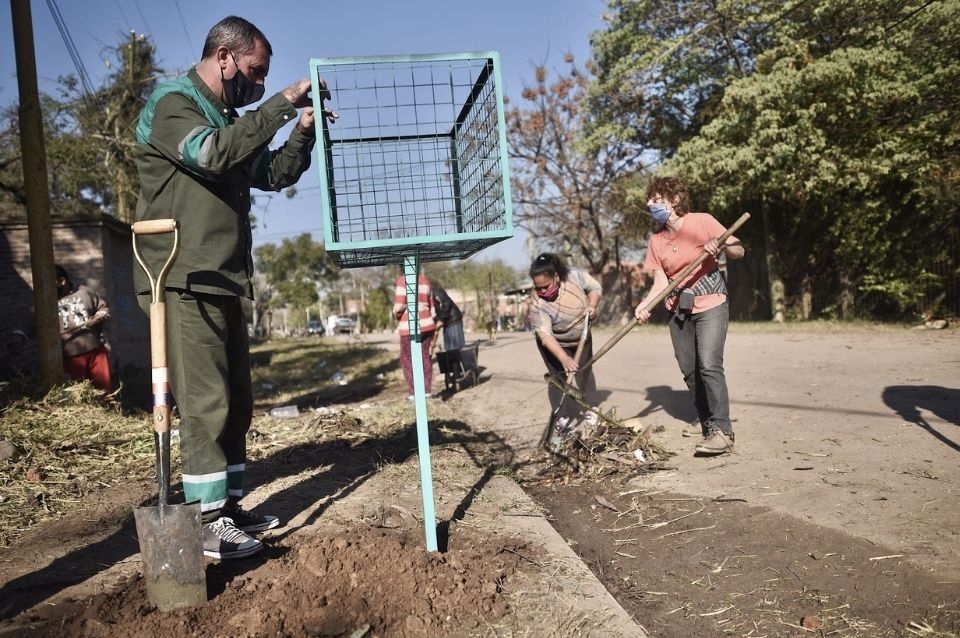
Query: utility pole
x: 34, y: 162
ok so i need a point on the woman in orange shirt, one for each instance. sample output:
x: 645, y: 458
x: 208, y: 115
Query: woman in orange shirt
x: 698, y: 308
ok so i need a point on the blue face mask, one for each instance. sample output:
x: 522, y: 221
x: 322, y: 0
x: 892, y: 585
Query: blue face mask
x: 659, y: 213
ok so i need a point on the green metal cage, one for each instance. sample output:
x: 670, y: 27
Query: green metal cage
x: 417, y: 162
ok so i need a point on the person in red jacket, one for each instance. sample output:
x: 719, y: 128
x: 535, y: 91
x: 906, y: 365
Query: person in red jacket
x: 427, y: 329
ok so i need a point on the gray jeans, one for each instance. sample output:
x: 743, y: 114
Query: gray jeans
x: 698, y: 341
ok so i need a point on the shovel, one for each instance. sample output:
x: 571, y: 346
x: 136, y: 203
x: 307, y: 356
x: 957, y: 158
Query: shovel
x: 170, y: 545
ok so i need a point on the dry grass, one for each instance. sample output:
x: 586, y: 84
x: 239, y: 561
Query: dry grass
x: 68, y: 444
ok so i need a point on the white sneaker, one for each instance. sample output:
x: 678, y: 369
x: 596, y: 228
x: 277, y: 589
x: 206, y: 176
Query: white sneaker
x: 562, y: 425
x: 715, y: 443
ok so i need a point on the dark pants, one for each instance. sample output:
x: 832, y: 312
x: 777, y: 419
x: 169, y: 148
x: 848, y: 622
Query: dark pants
x: 208, y: 359
x: 698, y: 342
x: 584, y: 379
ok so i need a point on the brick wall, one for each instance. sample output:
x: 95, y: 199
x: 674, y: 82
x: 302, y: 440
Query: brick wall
x: 96, y: 252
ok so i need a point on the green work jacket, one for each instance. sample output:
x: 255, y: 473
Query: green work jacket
x: 197, y: 161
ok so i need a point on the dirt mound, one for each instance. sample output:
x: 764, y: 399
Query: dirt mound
x: 355, y: 582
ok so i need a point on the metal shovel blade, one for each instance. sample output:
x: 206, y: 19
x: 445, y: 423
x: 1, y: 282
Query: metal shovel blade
x: 172, y: 554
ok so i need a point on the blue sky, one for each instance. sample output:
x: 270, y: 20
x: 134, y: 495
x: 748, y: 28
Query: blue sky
x: 525, y: 32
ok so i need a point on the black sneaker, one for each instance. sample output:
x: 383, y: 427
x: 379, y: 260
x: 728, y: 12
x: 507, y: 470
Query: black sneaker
x: 248, y: 521
x: 222, y: 539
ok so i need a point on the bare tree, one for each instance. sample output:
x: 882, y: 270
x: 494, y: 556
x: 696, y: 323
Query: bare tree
x: 565, y: 193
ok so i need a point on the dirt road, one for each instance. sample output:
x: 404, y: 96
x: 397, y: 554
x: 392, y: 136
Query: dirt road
x: 838, y: 507
x: 856, y: 430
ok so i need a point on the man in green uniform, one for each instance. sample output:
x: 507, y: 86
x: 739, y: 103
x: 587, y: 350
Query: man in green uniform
x: 198, y: 159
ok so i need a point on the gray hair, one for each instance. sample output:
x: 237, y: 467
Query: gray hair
x: 237, y: 34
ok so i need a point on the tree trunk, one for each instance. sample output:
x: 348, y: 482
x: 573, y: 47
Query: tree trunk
x: 777, y: 288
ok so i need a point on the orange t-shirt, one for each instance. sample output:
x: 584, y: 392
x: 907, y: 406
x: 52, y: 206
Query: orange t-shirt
x: 671, y: 255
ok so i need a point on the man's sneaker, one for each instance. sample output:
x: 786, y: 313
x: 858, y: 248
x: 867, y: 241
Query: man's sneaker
x: 248, y: 521
x: 716, y: 443
x: 694, y: 430
x: 222, y: 539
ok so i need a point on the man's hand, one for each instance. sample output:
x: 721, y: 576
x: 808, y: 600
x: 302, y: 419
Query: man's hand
x: 297, y: 93
x: 306, y: 123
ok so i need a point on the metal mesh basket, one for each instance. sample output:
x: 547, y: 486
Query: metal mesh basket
x: 417, y: 162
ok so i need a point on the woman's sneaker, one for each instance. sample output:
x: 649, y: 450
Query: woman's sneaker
x: 222, y: 539
x: 694, y: 429
x: 248, y: 521
x: 716, y: 443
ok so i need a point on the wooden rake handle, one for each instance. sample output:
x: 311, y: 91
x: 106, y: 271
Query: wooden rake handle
x: 681, y: 276
x: 583, y: 340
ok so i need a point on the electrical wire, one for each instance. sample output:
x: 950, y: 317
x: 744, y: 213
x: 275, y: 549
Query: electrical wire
x: 85, y: 83
x: 184, y: 25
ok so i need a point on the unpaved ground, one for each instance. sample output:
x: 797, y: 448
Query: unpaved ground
x: 838, y: 508
x: 840, y: 502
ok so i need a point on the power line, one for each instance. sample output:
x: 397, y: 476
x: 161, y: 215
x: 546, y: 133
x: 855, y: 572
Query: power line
x: 184, y: 25
x: 123, y: 16
x: 72, y: 50
x: 143, y: 18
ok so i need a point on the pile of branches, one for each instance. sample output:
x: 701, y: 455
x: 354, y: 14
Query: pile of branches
x: 611, y: 447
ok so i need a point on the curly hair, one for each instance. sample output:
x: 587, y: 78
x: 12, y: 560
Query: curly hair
x: 670, y: 188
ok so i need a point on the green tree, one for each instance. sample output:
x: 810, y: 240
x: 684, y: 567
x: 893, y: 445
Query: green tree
x: 834, y: 120
x: 662, y: 66
x: 852, y: 153
x: 89, y: 139
x: 295, y: 272
x: 377, y: 312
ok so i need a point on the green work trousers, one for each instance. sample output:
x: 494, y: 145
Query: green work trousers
x: 208, y: 360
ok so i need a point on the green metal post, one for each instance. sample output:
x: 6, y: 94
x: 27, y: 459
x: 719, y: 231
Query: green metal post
x: 411, y: 269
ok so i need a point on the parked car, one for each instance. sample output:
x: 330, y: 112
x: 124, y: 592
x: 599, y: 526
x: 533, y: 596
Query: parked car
x: 315, y: 327
x: 346, y: 325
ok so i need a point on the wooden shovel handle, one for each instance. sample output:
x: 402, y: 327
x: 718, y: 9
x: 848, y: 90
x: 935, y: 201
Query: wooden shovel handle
x: 682, y: 275
x: 160, y: 383
x: 154, y: 226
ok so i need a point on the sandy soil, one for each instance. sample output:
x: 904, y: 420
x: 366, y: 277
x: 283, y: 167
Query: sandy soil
x: 841, y: 495
x: 837, y: 513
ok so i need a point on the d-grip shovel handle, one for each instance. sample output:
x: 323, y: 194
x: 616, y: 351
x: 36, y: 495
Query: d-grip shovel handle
x: 154, y: 227
x: 158, y: 319
x: 676, y: 281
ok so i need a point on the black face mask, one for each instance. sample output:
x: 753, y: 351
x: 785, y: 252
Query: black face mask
x: 240, y: 90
